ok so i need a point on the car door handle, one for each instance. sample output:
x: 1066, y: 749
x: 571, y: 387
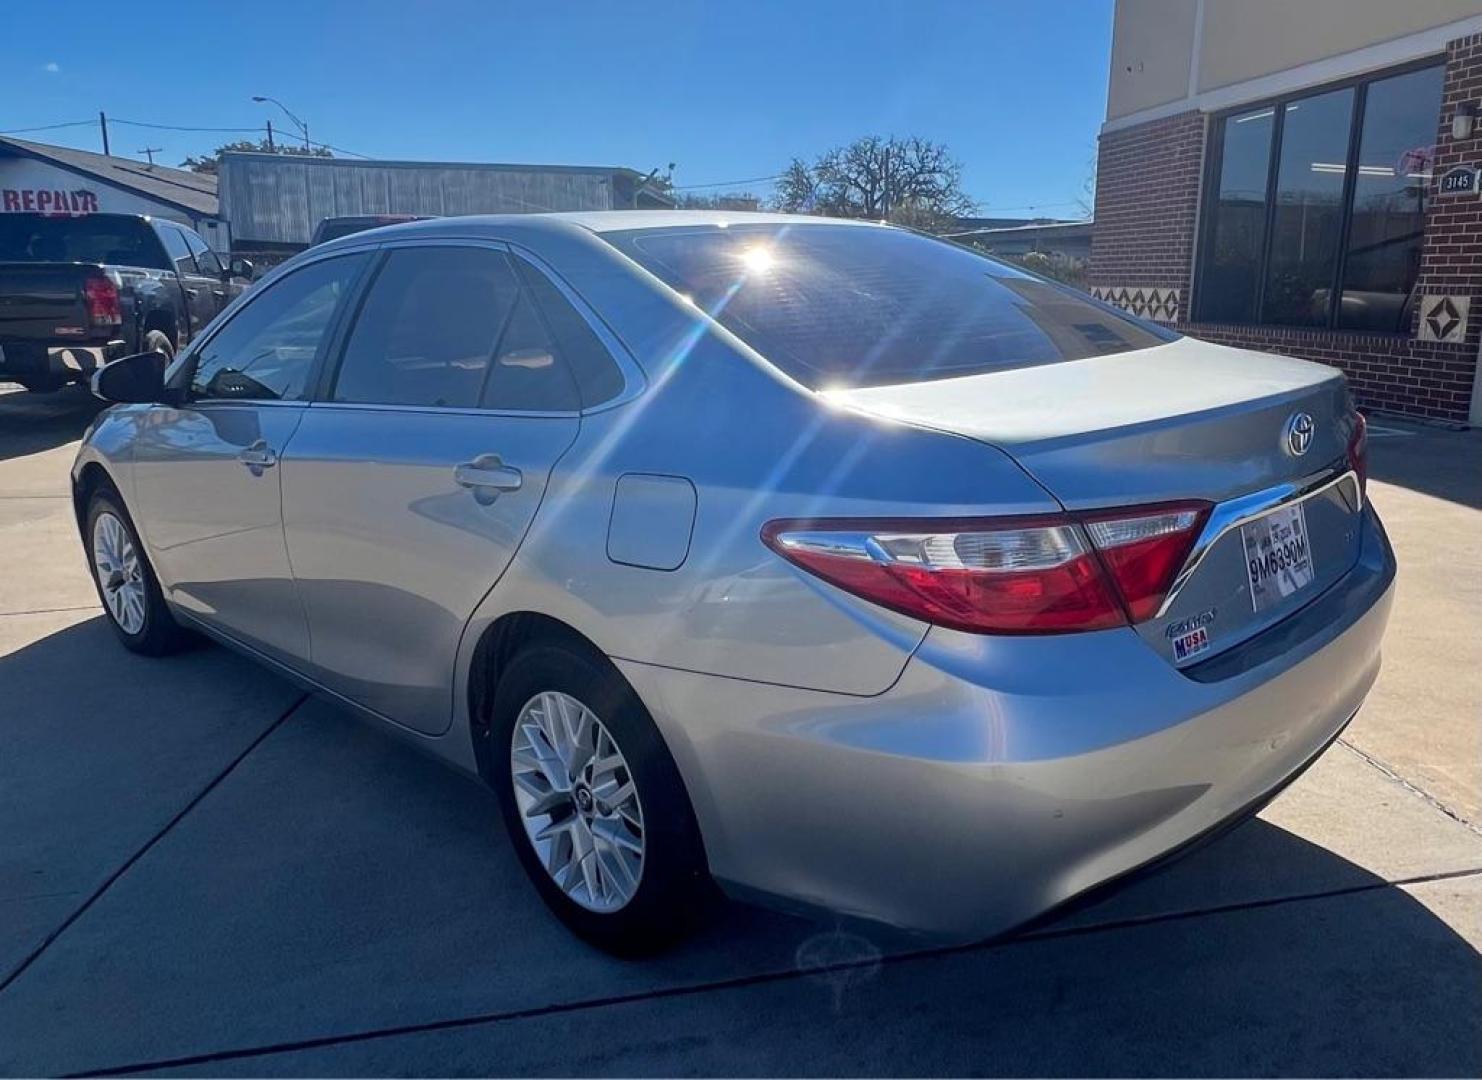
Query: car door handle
x: 258, y: 456
x: 192, y: 293
x: 486, y: 476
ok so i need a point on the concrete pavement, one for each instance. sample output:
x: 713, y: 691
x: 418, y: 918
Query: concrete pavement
x: 202, y: 872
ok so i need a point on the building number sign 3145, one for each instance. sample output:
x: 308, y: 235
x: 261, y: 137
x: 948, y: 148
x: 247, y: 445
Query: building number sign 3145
x: 1459, y: 180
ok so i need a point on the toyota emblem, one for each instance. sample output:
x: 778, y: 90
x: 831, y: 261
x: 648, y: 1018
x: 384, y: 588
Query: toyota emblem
x: 1299, y: 431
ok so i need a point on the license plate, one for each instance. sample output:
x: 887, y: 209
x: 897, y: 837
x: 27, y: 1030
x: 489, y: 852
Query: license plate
x: 1278, y: 556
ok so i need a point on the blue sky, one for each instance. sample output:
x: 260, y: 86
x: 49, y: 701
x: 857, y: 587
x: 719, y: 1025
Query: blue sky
x: 727, y: 90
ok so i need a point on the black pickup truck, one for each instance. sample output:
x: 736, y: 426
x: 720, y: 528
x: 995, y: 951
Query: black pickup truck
x: 76, y: 292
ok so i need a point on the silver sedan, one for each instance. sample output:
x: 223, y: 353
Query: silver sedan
x: 823, y: 561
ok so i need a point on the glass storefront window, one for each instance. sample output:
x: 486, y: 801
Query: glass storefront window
x: 1331, y: 236
x: 1302, y: 253
x: 1233, y: 263
x: 1390, y: 190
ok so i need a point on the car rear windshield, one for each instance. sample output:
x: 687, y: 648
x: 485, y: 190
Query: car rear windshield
x: 97, y: 238
x: 838, y: 306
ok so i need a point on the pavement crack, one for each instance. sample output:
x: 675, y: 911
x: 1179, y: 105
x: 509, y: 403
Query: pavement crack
x: 741, y: 981
x: 1414, y: 789
x: 96, y: 894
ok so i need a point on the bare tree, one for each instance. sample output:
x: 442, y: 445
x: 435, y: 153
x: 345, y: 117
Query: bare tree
x: 910, y: 181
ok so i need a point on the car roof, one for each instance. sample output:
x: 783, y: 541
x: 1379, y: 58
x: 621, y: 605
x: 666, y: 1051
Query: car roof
x: 619, y: 220
x: 588, y: 223
x: 604, y: 221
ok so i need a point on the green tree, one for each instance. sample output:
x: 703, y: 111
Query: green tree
x: 212, y: 162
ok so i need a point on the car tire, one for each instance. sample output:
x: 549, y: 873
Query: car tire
x: 158, y: 341
x: 127, y: 587
x: 673, y: 886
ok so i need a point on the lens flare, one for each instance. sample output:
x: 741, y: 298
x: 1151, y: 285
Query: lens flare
x: 758, y: 260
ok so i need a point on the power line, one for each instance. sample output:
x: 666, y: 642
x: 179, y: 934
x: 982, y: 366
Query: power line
x: 729, y: 183
x: 174, y: 127
x: 239, y: 130
x: 46, y: 127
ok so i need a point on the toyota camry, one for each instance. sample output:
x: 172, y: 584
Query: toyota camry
x: 825, y: 561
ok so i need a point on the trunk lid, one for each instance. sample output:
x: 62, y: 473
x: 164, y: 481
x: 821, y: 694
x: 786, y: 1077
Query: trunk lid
x: 1185, y: 420
x: 43, y: 301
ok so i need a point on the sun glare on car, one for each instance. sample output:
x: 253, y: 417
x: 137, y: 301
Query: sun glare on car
x: 758, y: 260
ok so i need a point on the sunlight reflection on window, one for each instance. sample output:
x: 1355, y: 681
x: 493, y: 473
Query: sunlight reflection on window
x: 758, y: 260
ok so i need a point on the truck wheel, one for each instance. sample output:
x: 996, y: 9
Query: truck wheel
x: 159, y: 341
x: 126, y: 583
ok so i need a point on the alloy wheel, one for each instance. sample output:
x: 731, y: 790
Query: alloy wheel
x: 120, y: 573
x: 577, y: 801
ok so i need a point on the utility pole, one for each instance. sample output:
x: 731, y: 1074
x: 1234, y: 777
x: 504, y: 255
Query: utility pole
x: 150, y: 151
x: 103, y: 125
x: 271, y: 148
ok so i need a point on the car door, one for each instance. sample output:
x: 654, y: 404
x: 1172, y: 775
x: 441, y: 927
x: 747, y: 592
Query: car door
x: 222, y: 289
x: 196, y: 290
x: 409, y: 486
x: 206, y: 471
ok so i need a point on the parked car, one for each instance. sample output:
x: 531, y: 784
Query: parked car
x: 824, y: 560
x: 76, y: 292
x: 335, y: 228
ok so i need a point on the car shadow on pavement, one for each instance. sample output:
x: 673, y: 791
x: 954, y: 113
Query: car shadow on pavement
x: 336, y: 903
x: 31, y: 423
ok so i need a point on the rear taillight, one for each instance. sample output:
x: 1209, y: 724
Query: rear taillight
x: 100, y: 296
x: 1358, y: 450
x: 1144, y: 549
x: 1040, y: 575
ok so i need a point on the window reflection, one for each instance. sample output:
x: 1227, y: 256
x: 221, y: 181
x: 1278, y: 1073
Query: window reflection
x: 1387, y: 228
x: 1234, y: 260
x: 1308, y: 216
x: 1277, y: 241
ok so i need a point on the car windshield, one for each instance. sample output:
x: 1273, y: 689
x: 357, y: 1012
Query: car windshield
x: 96, y: 238
x: 838, y: 306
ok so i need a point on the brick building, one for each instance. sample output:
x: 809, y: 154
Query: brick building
x: 1301, y: 176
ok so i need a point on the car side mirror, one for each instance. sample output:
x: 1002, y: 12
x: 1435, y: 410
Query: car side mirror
x: 137, y: 379
x: 240, y: 268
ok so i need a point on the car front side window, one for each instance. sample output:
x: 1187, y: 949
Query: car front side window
x: 267, y: 352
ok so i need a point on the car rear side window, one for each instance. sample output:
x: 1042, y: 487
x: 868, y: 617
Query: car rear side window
x: 452, y: 327
x: 178, y: 249
x: 206, y: 260
x: 839, y: 306
x: 116, y: 239
x: 597, y: 375
x: 268, y: 349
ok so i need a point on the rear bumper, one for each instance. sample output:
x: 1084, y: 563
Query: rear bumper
x: 1002, y: 776
x: 68, y: 363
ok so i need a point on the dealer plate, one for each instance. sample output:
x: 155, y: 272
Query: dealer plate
x: 1278, y: 555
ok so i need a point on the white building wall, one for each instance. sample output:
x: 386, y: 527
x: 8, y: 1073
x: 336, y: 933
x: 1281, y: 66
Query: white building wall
x: 29, y: 186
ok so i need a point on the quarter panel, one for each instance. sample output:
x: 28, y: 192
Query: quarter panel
x: 755, y: 448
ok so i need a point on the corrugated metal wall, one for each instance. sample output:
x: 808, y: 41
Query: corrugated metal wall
x: 281, y: 199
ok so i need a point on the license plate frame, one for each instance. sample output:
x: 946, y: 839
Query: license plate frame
x: 1278, y: 555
